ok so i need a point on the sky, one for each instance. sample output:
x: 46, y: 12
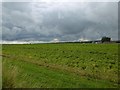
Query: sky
x: 59, y: 21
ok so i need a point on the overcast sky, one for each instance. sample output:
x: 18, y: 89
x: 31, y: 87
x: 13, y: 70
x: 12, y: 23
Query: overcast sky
x: 64, y: 21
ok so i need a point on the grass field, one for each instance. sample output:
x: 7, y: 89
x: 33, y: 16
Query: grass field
x: 70, y: 65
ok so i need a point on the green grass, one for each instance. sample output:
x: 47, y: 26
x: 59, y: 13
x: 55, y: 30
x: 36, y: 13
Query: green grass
x: 61, y: 65
x: 0, y: 67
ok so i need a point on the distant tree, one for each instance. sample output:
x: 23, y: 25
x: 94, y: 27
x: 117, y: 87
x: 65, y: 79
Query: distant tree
x: 105, y: 39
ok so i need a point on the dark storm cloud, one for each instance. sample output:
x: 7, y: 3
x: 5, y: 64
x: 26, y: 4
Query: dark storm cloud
x: 64, y: 21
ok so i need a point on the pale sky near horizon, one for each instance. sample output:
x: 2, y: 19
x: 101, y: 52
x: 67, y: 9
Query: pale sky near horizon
x: 64, y: 21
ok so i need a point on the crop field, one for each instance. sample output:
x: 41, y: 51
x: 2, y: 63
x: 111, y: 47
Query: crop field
x: 69, y: 65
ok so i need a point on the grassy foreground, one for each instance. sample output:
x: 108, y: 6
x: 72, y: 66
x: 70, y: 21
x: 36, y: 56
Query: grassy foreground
x: 60, y: 66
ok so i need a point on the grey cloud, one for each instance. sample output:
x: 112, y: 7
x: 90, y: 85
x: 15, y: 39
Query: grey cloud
x: 17, y: 6
x: 65, y: 21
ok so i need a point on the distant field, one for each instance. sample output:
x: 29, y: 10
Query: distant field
x: 60, y: 65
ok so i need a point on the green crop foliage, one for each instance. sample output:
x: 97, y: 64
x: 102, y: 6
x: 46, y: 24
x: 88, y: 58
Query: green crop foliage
x: 70, y: 65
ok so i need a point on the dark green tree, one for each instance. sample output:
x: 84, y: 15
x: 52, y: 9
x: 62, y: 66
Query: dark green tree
x: 105, y: 39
